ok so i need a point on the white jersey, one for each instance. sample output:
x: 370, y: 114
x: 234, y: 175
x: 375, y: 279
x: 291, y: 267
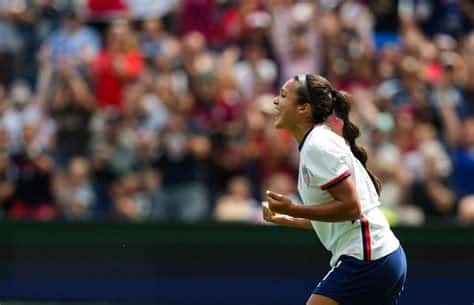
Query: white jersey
x: 325, y: 160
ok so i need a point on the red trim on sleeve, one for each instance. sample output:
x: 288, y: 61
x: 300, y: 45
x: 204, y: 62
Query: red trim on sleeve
x: 364, y: 225
x: 336, y: 180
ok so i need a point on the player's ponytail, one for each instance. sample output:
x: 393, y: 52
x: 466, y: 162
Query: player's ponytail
x: 317, y: 91
x: 351, y: 132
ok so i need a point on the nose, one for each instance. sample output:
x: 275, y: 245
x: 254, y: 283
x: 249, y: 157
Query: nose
x: 275, y: 100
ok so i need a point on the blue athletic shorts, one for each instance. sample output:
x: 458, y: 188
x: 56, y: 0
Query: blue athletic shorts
x: 356, y: 282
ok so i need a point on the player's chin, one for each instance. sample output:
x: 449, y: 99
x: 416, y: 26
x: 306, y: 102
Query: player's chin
x: 279, y: 124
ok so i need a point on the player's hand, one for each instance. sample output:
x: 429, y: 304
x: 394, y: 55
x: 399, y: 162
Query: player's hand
x: 279, y: 203
x: 268, y: 215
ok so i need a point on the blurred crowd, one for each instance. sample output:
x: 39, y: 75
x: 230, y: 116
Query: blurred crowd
x: 146, y: 110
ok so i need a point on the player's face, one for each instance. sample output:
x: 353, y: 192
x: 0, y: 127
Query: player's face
x: 285, y: 105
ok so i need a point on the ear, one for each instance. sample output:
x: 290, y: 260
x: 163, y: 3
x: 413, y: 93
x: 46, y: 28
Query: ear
x: 304, y: 109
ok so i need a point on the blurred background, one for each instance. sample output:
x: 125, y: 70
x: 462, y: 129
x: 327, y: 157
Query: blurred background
x: 157, y: 115
x: 161, y: 110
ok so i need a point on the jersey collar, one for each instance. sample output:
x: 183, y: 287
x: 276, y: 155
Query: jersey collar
x: 300, y: 146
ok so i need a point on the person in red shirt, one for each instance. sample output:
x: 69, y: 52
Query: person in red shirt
x: 101, y: 10
x: 120, y: 62
x: 198, y: 16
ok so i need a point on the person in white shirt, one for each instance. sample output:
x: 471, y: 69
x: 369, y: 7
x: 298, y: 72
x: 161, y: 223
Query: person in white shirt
x: 340, y: 198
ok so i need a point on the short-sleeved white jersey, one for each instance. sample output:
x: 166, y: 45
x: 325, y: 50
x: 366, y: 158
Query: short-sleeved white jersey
x: 325, y: 160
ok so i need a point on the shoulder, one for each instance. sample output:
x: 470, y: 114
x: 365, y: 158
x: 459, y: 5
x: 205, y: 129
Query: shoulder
x: 324, y: 140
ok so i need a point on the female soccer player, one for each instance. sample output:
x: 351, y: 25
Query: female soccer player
x: 340, y: 199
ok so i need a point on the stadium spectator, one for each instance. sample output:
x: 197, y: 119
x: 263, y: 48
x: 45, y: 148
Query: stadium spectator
x: 152, y: 39
x: 71, y: 107
x: 21, y: 109
x: 105, y: 10
x: 466, y: 210
x: 256, y: 73
x: 33, y: 199
x: 73, y: 43
x: 198, y: 16
x: 180, y: 161
x: 119, y: 63
x: 237, y: 23
x: 430, y: 166
x: 237, y: 204
x: 114, y: 147
x: 295, y: 38
x: 150, y: 9
x: 12, y: 15
x: 131, y: 202
x: 73, y: 191
x: 7, y: 177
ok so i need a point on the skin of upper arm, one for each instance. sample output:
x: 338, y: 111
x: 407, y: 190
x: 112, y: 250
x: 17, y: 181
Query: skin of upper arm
x: 345, y: 192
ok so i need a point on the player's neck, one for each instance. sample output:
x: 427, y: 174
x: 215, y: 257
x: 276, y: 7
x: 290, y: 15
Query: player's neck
x: 299, y: 132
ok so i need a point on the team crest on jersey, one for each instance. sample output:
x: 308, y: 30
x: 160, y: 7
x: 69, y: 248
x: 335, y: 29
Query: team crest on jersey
x: 306, y: 175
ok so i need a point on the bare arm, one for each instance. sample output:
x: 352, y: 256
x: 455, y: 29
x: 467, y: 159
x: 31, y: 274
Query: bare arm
x: 345, y: 205
x: 80, y: 90
x: 285, y: 220
x: 452, y: 124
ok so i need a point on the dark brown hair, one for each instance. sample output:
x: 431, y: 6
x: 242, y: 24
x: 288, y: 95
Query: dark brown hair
x: 318, y: 92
